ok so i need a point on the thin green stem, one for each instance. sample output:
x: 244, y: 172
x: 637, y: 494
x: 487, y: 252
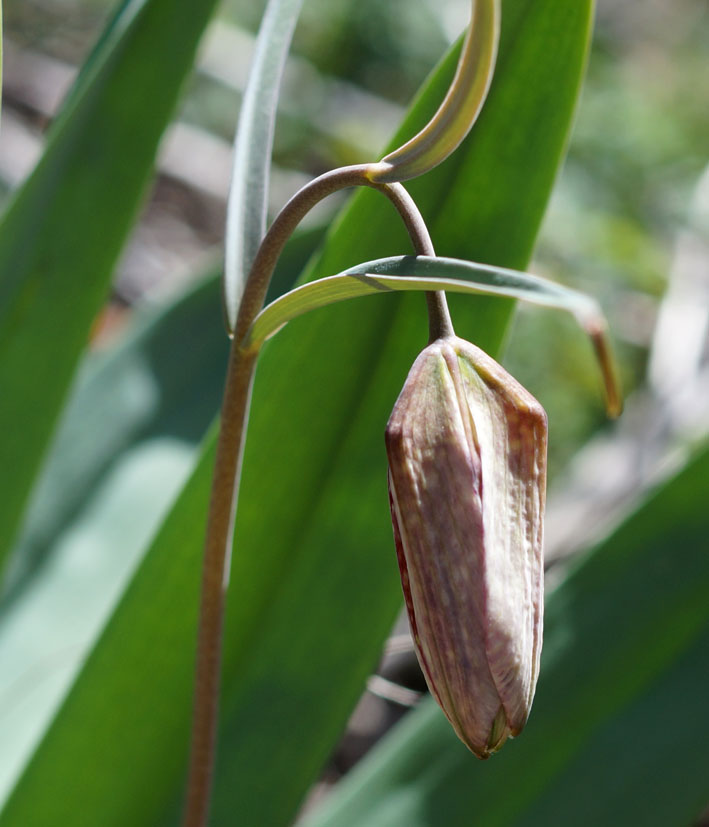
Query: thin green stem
x: 225, y: 483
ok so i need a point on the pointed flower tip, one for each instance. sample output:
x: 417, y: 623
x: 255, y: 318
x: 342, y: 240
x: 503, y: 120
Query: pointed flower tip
x: 466, y: 446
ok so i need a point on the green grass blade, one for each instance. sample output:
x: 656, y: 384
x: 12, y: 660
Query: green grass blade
x: 64, y: 229
x: 248, y: 195
x: 314, y: 585
x: 618, y: 732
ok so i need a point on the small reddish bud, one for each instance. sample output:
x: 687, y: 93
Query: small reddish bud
x: 466, y: 445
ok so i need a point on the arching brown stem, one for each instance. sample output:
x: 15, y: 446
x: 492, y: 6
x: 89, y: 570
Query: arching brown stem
x: 225, y: 484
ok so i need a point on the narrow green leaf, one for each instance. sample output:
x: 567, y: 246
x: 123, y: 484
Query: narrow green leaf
x: 248, y: 195
x: 62, y: 233
x: 314, y: 585
x: 618, y: 733
x: 423, y: 273
x: 461, y: 106
x: 417, y: 273
x: 127, y: 442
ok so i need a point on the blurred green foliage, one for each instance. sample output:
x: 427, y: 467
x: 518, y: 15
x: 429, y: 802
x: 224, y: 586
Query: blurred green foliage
x: 637, y: 151
x: 638, y: 147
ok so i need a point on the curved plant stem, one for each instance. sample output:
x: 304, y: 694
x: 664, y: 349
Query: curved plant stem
x: 439, y: 318
x: 292, y: 214
x: 235, y: 407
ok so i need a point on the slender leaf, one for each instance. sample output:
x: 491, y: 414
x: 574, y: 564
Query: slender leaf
x: 461, y: 106
x: 62, y: 233
x: 417, y: 273
x: 423, y: 273
x: 248, y: 195
x: 618, y: 732
x: 314, y: 584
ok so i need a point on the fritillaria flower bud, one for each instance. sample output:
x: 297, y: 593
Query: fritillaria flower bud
x: 467, y: 475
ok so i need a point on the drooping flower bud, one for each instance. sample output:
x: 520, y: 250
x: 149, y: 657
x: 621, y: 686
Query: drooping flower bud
x: 467, y: 477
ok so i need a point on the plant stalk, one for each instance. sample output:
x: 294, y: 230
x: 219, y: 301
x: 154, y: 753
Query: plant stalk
x: 225, y: 483
x: 439, y: 317
x: 215, y: 573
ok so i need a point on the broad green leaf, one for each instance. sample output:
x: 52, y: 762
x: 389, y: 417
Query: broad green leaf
x: 314, y: 585
x: 162, y: 381
x: 160, y: 651
x: 126, y: 444
x: 248, y: 195
x: 618, y: 733
x: 64, y: 229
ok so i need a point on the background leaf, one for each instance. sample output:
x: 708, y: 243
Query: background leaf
x: 617, y: 733
x: 162, y: 383
x: 126, y: 445
x: 127, y: 442
x: 62, y: 233
x: 313, y: 519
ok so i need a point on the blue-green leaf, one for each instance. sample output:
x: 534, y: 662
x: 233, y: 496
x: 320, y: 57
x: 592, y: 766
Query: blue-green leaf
x: 248, y: 195
x: 62, y: 233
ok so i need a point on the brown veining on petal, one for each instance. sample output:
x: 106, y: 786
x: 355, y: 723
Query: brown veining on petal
x: 467, y: 457
x: 514, y: 471
x: 406, y: 588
